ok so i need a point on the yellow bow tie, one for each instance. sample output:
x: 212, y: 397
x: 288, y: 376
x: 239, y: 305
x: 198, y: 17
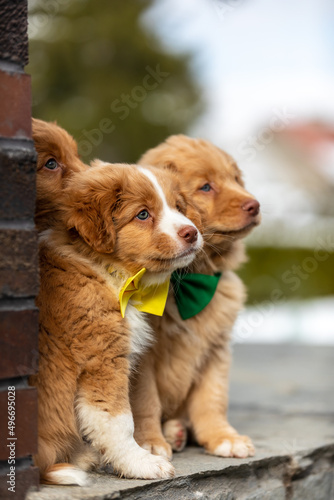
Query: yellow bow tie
x: 150, y: 299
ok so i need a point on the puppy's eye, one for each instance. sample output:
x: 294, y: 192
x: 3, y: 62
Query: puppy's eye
x: 143, y: 215
x: 179, y: 208
x: 51, y: 164
x: 206, y: 188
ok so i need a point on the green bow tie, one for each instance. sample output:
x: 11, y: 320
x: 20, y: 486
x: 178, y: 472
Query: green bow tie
x: 193, y: 292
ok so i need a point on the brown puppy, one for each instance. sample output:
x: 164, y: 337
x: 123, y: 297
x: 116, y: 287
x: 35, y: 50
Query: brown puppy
x: 115, y: 220
x: 184, y: 376
x: 57, y: 159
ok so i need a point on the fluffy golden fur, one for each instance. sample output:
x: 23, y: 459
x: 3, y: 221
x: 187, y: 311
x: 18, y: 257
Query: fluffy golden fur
x: 182, y: 381
x: 57, y: 159
x: 86, y: 347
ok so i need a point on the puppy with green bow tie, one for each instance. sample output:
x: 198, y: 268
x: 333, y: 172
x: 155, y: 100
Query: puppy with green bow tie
x: 182, y: 382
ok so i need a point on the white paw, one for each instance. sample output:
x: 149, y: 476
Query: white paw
x: 175, y: 433
x: 238, y: 447
x: 148, y: 466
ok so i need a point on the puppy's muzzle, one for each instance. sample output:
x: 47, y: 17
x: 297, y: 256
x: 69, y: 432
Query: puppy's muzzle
x: 252, y: 207
x: 189, y: 234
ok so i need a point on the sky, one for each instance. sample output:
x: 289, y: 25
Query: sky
x: 252, y: 56
x: 258, y: 61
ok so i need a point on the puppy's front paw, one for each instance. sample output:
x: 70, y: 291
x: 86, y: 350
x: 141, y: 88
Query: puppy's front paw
x: 235, y: 446
x: 175, y: 433
x: 149, y: 467
x: 158, y: 446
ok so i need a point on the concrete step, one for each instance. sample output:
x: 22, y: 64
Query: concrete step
x: 282, y: 397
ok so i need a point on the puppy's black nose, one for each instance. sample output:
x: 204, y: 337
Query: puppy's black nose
x: 252, y: 207
x: 188, y: 233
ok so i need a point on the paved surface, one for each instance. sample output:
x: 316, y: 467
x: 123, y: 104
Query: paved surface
x: 283, y: 378
x: 281, y: 396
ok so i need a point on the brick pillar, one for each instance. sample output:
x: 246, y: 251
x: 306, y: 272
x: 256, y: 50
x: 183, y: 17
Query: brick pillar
x: 18, y: 259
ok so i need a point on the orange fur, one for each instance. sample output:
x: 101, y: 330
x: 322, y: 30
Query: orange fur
x: 185, y: 374
x: 52, y: 142
x: 85, y: 345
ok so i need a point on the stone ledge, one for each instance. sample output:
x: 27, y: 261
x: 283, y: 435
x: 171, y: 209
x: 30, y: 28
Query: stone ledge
x: 283, y: 405
x: 287, y: 466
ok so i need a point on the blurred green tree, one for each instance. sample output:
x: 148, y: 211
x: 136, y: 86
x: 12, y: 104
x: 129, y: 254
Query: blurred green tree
x: 105, y: 79
x: 293, y: 273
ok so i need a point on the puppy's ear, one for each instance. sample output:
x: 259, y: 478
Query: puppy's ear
x: 97, y: 232
x: 88, y: 209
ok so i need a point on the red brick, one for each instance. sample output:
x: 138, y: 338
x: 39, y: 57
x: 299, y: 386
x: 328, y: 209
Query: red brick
x: 25, y: 423
x: 26, y: 478
x: 18, y: 262
x: 18, y: 342
x: 15, y: 110
x: 18, y: 185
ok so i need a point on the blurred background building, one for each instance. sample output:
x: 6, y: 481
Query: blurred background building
x: 256, y: 77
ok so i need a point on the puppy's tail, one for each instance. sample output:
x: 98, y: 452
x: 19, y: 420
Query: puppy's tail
x: 64, y: 474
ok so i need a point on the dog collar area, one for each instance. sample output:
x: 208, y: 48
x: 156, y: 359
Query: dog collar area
x: 150, y: 299
x: 193, y: 291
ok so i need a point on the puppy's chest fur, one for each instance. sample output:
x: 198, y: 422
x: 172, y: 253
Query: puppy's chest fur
x: 141, y: 332
x: 184, y: 346
x: 135, y: 322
